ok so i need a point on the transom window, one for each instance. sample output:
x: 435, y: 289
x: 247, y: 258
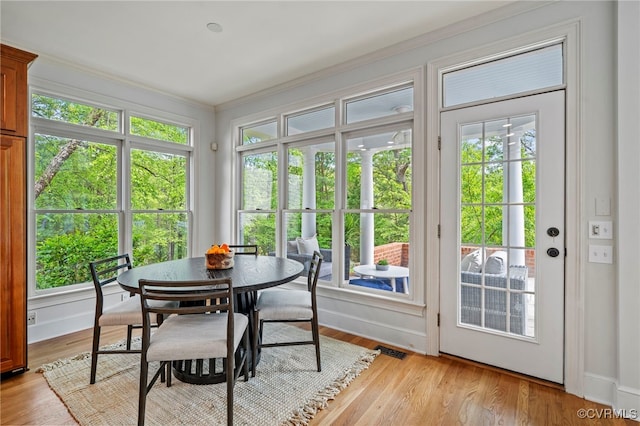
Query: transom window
x: 526, y: 72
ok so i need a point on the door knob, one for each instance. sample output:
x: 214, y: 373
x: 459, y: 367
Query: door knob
x: 553, y: 231
x: 553, y: 252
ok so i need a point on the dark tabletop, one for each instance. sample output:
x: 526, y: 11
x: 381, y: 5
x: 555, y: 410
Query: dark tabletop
x: 249, y: 273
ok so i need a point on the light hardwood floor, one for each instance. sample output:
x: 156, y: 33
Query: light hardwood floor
x: 417, y: 390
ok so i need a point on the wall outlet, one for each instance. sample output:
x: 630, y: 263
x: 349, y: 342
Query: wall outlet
x: 31, y: 318
x: 600, y: 254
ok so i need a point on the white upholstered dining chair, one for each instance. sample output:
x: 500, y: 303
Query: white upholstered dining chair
x: 126, y: 313
x: 276, y: 305
x: 203, y: 325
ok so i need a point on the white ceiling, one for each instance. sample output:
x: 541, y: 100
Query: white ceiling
x: 165, y: 45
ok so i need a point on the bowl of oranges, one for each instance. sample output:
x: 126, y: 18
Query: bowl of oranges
x: 219, y: 257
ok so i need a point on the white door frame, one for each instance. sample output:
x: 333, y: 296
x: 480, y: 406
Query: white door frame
x: 574, y: 285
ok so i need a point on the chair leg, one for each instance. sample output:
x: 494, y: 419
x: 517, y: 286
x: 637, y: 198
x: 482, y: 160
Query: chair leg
x: 129, y: 334
x: 256, y: 338
x: 316, y: 340
x: 94, y: 353
x: 142, y: 396
x: 246, y: 360
x: 231, y: 376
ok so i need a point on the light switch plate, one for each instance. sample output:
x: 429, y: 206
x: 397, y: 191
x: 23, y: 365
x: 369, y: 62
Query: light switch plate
x: 601, y: 229
x: 603, y: 206
x: 600, y: 254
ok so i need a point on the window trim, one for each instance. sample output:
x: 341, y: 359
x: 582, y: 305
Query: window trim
x: 124, y: 143
x: 414, y: 77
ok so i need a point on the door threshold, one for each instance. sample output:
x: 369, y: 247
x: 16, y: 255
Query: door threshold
x: 521, y: 376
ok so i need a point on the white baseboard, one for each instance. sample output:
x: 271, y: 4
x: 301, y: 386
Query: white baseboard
x: 382, y: 332
x: 605, y: 390
x: 60, y: 327
x: 628, y: 400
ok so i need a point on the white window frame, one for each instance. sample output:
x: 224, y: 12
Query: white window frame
x: 412, y: 303
x: 124, y: 143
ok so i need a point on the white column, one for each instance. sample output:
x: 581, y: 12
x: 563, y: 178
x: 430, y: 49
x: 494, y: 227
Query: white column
x: 366, y: 202
x: 513, y: 228
x: 309, y: 192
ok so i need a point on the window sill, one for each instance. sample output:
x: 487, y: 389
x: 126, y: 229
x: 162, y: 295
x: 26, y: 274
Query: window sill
x: 375, y: 300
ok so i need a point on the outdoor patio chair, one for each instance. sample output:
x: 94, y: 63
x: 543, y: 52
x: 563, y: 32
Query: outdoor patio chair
x: 248, y: 249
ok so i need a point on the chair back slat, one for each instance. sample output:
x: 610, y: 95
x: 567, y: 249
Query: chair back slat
x: 106, y: 271
x: 244, y: 249
x: 191, y: 296
x: 314, y: 269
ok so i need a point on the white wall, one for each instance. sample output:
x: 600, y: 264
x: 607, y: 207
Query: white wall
x: 607, y: 356
x: 72, y: 311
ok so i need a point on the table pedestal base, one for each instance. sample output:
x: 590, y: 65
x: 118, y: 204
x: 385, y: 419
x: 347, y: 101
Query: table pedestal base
x: 211, y: 371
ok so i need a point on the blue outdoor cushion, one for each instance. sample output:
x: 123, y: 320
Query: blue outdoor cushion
x: 380, y: 284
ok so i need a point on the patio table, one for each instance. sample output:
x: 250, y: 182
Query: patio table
x: 392, y: 273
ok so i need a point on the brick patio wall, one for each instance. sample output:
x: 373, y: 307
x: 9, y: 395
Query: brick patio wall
x: 396, y: 253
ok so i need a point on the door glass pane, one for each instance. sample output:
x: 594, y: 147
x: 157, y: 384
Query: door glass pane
x: 497, y: 224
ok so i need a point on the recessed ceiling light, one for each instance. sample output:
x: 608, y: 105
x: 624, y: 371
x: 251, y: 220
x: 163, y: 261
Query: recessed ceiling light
x: 401, y: 108
x: 214, y: 27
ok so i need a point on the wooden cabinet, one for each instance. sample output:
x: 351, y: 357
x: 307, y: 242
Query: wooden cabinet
x: 13, y: 204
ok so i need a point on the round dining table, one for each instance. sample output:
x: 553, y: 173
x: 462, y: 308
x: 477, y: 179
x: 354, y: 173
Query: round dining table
x: 249, y: 274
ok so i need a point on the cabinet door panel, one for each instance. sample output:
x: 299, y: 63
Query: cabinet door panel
x: 13, y: 343
x: 8, y: 84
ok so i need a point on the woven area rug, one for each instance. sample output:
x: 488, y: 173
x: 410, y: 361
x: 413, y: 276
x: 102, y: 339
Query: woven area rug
x: 287, y: 388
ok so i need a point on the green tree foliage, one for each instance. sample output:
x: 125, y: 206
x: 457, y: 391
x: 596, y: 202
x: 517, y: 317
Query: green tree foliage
x: 155, y: 130
x: 392, y: 190
x: 483, y: 168
x: 260, y: 192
